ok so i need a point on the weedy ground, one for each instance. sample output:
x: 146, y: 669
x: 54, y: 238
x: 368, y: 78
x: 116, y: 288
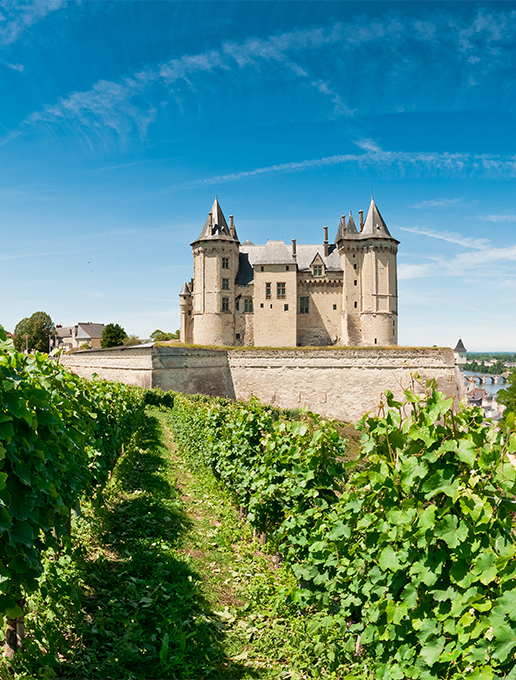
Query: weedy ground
x: 164, y: 580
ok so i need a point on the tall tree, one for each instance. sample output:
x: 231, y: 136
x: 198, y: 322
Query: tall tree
x: 113, y: 335
x: 34, y: 332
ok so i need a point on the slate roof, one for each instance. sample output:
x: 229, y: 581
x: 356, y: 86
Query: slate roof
x: 374, y: 227
x: 219, y: 226
x: 278, y: 252
x: 93, y: 330
x: 460, y: 347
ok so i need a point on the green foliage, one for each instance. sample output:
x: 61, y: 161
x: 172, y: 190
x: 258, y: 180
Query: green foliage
x: 59, y: 437
x: 161, y: 336
x: 39, y: 327
x: 132, y: 340
x: 507, y: 397
x: 415, y: 553
x: 113, y: 335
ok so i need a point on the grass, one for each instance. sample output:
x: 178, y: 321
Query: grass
x: 164, y: 581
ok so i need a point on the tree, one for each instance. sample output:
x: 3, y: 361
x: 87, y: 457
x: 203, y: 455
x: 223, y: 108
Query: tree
x: 507, y: 397
x: 161, y: 336
x: 39, y: 328
x: 113, y: 335
x: 132, y: 340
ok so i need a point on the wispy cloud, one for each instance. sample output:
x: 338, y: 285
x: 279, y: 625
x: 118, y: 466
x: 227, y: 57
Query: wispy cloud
x: 437, y: 203
x: 17, y: 15
x: 393, y: 162
x: 498, y: 218
x: 14, y: 67
x: 450, y: 237
x: 481, y: 258
x: 473, y: 46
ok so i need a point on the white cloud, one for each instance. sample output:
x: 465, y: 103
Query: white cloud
x: 498, y: 218
x: 449, y: 236
x: 17, y: 15
x: 472, y: 45
x: 437, y: 203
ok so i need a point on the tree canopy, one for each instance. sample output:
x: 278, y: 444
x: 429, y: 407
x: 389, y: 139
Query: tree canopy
x: 39, y: 328
x: 161, y: 336
x: 113, y: 335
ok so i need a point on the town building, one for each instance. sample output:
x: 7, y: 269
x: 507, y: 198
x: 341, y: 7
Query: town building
x: 73, y: 337
x: 286, y: 295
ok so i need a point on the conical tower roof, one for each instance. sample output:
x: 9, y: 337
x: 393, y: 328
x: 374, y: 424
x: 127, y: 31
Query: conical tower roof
x: 460, y: 347
x: 374, y: 224
x: 341, y: 229
x: 351, y: 226
x: 216, y: 226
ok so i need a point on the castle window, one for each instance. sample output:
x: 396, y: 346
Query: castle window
x: 287, y: 267
x: 248, y: 305
x: 354, y: 266
x: 303, y: 305
x: 334, y: 306
x: 225, y: 284
x: 237, y: 304
x: 225, y: 304
x: 261, y: 305
x: 281, y: 289
x: 238, y: 336
x: 225, y: 263
x: 262, y: 269
x: 355, y: 282
x: 285, y: 307
x: 267, y: 290
x: 355, y: 305
x: 317, y: 270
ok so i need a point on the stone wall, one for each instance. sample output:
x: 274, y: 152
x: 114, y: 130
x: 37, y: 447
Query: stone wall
x: 337, y: 383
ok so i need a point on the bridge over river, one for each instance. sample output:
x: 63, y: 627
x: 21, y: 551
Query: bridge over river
x: 487, y: 378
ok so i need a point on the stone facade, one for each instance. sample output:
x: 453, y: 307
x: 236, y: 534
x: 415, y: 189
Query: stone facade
x: 335, y: 382
x: 277, y: 295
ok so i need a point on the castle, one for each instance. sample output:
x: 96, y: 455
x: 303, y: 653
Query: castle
x: 278, y: 295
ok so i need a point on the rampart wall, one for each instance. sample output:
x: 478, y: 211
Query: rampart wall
x: 336, y: 382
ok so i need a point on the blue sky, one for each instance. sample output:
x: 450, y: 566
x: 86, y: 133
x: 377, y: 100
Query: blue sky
x: 121, y: 120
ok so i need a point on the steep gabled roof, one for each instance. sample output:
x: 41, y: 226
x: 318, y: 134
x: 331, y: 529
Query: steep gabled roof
x: 216, y: 226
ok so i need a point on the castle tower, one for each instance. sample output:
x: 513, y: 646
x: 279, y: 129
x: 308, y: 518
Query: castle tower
x: 216, y: 255
x: 370, y: 304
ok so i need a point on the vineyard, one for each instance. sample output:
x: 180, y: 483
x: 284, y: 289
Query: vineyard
x: 228, y: 540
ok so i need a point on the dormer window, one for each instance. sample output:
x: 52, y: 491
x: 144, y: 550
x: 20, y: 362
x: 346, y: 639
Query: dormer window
x: 317, y: 266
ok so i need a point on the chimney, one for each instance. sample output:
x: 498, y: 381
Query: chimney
x: 361, y: 213
x: 294, y: 252
x: 231, y: 226
x: 210, y: 225
x: 326, y: 244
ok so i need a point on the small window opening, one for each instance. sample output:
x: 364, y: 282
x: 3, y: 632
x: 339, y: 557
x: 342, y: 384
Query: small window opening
x: 355, y: 304
x: 225, y: 304
x: 225, y: 263
x: 355, y: 282
x: 225, y: 284
x: 288, y: 268
x: 261, y: 305
x: 267, y: 290
x: 334, y: 306
x: 238, y: 336
x: 285, y: 307
x: 281, y: 289
x: 262, y: 269
x: 375, y: 341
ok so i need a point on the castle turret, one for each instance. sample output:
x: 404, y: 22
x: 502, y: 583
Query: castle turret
x: 215, y: 254
x: 370, y: 296
x: 185, y: 308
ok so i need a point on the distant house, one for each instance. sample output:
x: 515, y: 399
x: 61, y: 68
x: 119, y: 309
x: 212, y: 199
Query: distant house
x: 72, y: 337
